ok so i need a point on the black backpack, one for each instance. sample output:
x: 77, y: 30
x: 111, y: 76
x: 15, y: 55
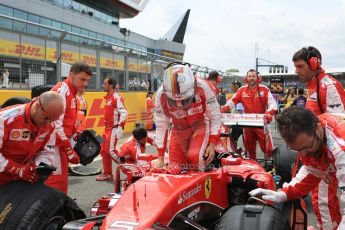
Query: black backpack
x: 88, y: 146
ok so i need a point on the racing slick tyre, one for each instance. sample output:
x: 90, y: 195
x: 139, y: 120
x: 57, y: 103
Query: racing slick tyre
x: 35, y: 206
x: 15, y: 101
x: 253, y: 217
x: 284, y: 161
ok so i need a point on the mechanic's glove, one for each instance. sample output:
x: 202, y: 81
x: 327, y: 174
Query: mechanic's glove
x: 119, y: 132
x: 25, y: 172
x: 268, y: 118
x: 72, y: 156
x: 225, y: 109
x: 267, y: 194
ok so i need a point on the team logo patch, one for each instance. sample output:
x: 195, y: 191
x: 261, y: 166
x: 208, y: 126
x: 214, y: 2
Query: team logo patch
x: 196, y: 110
x: 25, y: 134
x: 208, y: 186
x: 15, y: 134
x: 178, y: 114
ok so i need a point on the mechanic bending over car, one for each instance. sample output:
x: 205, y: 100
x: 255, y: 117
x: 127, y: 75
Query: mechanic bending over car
x: 134, y: 149
x: 256, y: 98
x: 192, y: 108
x: 325, y: 95
x: 27, y: 137
x: 320, y: 142
x: 76, y: 81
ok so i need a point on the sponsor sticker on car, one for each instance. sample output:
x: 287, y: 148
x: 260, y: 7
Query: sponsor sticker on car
x: 188, y: 194
x: 208, y: 185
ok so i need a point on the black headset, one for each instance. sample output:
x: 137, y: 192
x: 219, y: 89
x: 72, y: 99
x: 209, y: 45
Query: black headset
x: 313, y: 52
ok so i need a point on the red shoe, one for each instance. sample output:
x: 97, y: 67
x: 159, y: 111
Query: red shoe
x: 104, y: 177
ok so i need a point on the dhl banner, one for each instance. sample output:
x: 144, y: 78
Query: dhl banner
x: 36, y: 52
x: 134, y: 102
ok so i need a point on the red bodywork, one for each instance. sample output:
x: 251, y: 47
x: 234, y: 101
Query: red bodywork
x: 159, y: 198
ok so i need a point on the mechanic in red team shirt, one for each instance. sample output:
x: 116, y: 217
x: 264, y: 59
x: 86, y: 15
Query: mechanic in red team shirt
x: 150, y: 106
x: 115, y: 115
x: 77, y: 80
x: 320, y: 142
x: 256, y: 98
x: 27, y: 137
x: 325, y: 93
x: 134, y: 149
x: 192, y: 108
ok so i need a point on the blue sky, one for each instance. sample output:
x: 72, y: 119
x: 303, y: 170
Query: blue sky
x: 222, y: 34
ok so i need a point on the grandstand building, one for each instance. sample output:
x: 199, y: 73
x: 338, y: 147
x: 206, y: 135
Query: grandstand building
x: 39, y: 38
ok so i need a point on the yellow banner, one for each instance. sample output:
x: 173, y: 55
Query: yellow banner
x: 95, y: 111
x: 36, y: 52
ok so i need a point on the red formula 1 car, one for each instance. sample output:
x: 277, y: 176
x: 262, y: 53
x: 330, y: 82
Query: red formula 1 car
x: 214, y: 199
x: 190, y: 200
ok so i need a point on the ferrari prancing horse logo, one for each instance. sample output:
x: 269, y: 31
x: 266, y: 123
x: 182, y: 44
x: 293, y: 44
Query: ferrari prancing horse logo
x: 208, y: 187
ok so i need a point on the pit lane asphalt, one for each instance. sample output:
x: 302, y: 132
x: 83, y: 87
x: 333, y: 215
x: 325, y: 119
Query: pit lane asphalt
x: 86, y: 190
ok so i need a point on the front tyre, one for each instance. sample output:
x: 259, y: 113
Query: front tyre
x: 253, y: 217
x: 35, y: 206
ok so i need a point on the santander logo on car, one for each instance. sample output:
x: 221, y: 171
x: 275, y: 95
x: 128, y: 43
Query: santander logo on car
x: 186, y: 195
